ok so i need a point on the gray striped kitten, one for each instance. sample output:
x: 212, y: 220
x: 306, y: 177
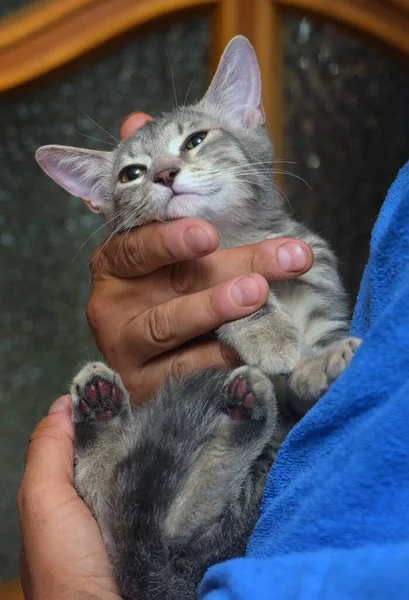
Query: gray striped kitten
x: 176, y: 485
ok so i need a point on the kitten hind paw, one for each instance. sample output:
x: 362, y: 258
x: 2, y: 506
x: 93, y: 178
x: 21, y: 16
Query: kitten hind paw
x: 248, y: 394
x: 98, y: 394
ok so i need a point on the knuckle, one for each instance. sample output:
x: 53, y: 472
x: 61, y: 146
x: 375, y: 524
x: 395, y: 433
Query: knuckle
x: 28, y: 498
x: 31, y: 501
x: 181, y: 365
x: 124, y: 251
x: 185, y: 277
x: 135, y: 254
x: 229, y: 356
x: 161, y: 326
x: 98, y: 312
x: 28, y: 492
x: 254, y: 260
x: 40, y: 439
x: 212, y: 306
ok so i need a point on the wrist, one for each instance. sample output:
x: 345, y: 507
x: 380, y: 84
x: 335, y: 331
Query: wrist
x: 73, y: 592
x: 50, y: 586
x: 85, y: 595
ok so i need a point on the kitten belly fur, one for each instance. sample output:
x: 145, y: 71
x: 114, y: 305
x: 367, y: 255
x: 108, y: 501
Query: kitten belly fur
x: 175, y: 484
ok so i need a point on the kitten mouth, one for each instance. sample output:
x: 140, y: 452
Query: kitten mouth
x: 179, y: 195
x: 172, y: 197
x: 182, y: 204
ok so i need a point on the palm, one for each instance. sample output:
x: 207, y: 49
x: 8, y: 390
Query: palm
x: 88, y: 558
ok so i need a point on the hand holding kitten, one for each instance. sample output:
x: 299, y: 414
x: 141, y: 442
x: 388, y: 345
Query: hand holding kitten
x: 63, y: 555
x: 166, y: 284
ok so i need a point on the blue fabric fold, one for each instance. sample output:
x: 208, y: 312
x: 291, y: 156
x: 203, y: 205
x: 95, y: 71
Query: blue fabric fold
x: 334, y: 518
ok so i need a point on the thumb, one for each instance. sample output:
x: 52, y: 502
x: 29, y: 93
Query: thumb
x: 50, y: 454
x: 62, y: 549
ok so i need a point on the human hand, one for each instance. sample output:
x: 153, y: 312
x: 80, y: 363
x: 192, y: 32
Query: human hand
x: 164, y: 284
x: 62, y: 551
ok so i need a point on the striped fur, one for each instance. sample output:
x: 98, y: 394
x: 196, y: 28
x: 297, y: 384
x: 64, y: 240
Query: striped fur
x: 174, y: 486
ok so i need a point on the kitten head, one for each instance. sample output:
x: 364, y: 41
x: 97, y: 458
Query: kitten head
x: 211, y: 160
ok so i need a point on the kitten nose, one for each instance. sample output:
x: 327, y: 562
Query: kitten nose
x: 167, y: 176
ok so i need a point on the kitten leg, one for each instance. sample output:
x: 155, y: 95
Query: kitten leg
x: 233, y: 462
x: 255, y: 437
x: 314, y: 374
x: 101, y: 413
x: 268, y: 339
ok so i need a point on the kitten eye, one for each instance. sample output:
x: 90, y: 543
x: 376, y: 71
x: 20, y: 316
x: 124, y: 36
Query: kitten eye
x: 131, y: 173
x: 194, y: 140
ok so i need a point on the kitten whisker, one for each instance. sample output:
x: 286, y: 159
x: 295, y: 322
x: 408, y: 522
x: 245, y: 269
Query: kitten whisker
x: 188, y: 89
x: 109, y: 238
x: 95, y: 139
x: 282, y: 193
x: 247, y: 167
x: 243, y: 172
x: 92, y: 235
x: 265, y: 186
x: 246, y: 171
x: 132, y: 221
x: 121, y: 243
x: 282, y: 172
x: 253, y: 164
x: 173, y: 81
x: 158, y: 218
x: 101, y: 128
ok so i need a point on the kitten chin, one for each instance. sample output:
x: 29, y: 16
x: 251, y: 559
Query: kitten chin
x: 185, y: 205
x: 196, y: 206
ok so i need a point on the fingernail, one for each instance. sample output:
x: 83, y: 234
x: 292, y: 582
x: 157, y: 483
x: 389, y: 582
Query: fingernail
x: 59, y: 405
x: 245, y: 291
x: 292, y: 257
x: 197, y: 239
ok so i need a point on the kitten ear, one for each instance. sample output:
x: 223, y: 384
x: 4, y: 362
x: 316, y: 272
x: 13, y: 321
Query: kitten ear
x: 236, y: 86
x: 81, y: 172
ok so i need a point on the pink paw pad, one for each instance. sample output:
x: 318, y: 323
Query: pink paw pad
x: 101, y: 399
x: 239, y: 399
x: 104, y: 388
x: 92, y: 393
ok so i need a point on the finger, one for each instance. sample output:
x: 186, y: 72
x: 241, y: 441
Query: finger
x: 153, y: 246
x: 164, y: 327
x: 49, y: 459
x: 134, y: 121
x: 276, y: 259
x: 176, y: 364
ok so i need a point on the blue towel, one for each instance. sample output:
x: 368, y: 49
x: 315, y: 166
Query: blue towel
x: 335, y: 514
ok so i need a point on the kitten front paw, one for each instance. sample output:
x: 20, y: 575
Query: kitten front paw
x: 265, y: 340
x: 97, y: 394
x: 275, y: 360
x: 248, y: 394
x: 340, y: 356
x: 314, y: 374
